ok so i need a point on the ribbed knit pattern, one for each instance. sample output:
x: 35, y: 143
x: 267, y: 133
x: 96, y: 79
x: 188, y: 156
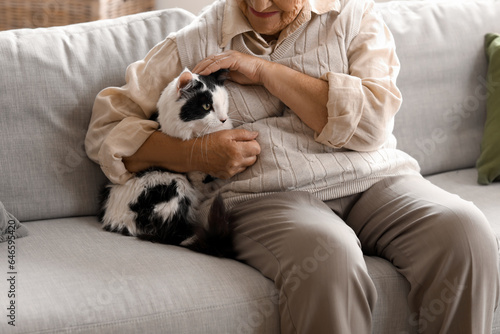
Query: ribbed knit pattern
x: 291, y: 159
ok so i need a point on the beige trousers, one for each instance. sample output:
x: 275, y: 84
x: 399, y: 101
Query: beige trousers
x: 313, y: 251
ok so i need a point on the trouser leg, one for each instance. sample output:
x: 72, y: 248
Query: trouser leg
x: 442, y: 244
x: 314, y: 259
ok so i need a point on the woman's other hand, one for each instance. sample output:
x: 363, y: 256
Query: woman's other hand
x: 244, y: 69
x: 221, y: 154
x: 225, y: 153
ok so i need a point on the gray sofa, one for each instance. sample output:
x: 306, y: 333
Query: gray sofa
x: 73, y: 277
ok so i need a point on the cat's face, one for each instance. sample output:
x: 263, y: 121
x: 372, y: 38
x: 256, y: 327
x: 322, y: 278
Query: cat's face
x: 206, y: 102
x: 194, y: 105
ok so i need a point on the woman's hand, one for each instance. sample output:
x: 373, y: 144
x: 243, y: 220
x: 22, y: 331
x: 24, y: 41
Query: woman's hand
x: 221, y: 154
x: 244, y: 69
x: 225, y: 153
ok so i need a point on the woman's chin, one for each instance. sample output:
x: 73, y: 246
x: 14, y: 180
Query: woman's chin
x: 268, y: 31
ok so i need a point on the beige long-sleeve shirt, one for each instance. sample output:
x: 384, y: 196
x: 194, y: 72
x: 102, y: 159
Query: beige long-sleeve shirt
x: 362, y: 100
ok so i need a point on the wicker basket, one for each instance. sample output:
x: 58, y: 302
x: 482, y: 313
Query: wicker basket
x: 45, y: 13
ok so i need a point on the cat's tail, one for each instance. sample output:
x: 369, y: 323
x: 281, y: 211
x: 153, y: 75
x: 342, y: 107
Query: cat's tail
x: 216, y: 238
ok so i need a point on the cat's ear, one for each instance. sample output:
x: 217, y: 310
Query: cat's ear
x: 221, y: 75
x: 184, y: 79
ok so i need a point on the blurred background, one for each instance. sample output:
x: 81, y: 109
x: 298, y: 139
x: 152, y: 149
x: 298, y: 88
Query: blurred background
x: 46, y: 13
x: 193, y: 6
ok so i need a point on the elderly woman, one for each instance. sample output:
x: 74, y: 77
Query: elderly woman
x: 313, y: 171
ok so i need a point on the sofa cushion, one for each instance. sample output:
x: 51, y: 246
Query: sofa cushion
x: 488, y: 164
x: 74, y: 277
x: 50, y: 78
x: 442, y: 79
x: 464, y: 184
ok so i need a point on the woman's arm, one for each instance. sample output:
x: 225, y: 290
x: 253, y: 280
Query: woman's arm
x: 123, y: 141
x: 351, y: 110
x: 305, y: 95
x: 119, y: 124
x: 221, y: 154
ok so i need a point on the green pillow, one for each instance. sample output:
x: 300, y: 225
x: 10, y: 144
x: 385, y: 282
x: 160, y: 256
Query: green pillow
x: 488, y: 164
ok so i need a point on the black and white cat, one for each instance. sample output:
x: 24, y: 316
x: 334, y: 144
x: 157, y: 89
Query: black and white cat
x: 159, y: 205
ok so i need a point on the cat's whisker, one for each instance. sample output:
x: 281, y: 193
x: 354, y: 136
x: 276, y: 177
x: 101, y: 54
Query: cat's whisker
x: 206, y: 147
x: 192, y: 150
x: 204, y: 150
x: 203, y: 139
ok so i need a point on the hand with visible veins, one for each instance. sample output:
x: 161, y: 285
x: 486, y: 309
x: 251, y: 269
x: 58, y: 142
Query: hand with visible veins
x: 221, y: 154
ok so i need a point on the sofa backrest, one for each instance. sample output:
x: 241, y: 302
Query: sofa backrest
x: 443, y: 78
x: 48, y: 82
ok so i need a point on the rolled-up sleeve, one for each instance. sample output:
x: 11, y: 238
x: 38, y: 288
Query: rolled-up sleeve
x: 119, y: 124
x: 362, y: 104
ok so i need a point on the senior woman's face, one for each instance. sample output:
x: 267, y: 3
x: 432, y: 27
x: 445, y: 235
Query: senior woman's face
x: 270, y: 17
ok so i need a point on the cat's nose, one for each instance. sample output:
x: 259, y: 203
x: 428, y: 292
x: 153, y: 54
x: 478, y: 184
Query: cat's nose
x: 223, y: 120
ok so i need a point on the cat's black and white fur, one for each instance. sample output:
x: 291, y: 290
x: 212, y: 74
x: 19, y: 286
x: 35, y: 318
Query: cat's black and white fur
x: 160, y: 205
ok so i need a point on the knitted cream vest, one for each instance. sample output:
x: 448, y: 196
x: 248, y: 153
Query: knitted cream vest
x: 290, y: 158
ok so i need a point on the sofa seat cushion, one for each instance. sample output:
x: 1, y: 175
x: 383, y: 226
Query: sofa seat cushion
x: 74, y: 277
x: 464, y: 183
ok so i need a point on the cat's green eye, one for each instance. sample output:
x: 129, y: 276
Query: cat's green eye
x: 207, y: 106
